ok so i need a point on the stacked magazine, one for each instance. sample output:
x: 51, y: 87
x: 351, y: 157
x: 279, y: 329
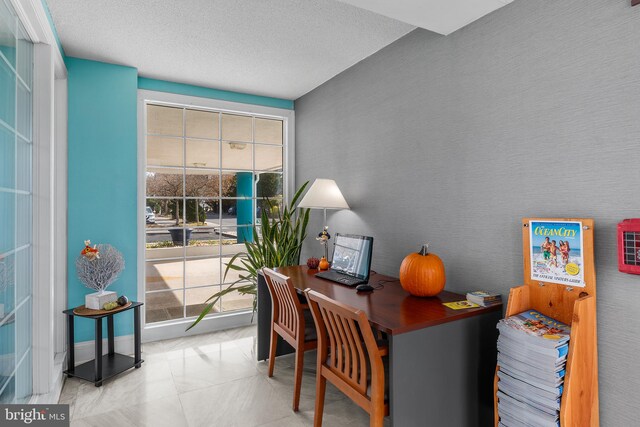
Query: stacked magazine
x: 532, y: 352
x: 484, y: 298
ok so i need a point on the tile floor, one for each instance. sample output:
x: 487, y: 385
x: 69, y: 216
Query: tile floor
x: 207, y: 380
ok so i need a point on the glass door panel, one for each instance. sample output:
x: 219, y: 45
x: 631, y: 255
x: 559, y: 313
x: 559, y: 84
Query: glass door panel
x: 16, y: 71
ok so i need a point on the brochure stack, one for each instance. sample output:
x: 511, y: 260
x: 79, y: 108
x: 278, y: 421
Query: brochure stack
x: 484, y: 298
x: 532, y: 353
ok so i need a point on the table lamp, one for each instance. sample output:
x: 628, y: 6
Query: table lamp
x: 324, y: 194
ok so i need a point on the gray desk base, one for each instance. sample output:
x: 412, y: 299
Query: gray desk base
x: 443, y: 375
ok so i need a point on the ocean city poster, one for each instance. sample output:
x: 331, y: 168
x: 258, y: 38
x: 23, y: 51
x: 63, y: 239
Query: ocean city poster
x: 556, y: 252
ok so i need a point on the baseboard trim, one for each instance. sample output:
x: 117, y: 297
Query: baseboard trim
x: 85, y: 350
x: 53, y: 396
x: 156, y: 332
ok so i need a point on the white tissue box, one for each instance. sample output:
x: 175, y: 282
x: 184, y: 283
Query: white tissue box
x: 97, y: 300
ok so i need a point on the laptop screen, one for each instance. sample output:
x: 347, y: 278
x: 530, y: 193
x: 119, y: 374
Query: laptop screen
x: 352, y: 255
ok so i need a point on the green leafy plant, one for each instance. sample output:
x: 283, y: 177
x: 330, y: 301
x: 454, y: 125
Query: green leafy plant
x: 277, y: 242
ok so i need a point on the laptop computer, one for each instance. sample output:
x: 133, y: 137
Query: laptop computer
x: 351, y: 260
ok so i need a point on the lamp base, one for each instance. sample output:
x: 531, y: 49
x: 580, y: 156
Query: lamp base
x: 324, y: 237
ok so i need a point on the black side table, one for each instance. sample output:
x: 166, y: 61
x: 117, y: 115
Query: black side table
x: 112, y: 363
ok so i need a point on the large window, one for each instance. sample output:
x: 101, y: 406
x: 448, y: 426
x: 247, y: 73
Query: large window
x: 16, y: 71
x: 209, y: 176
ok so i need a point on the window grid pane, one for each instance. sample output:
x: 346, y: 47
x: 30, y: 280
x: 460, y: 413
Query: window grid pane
x: 207, y: 172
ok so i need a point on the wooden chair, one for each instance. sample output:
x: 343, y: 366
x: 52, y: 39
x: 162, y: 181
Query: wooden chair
x: 349, y: 357
x: 288, y: 319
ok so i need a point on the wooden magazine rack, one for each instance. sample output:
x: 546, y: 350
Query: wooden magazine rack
x: 574, y: 306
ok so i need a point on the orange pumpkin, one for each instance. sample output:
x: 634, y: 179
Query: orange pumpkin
x: 422, y: 273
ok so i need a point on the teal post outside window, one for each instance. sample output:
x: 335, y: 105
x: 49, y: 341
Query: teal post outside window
x: 244, y: 207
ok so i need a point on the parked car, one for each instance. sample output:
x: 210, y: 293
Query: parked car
x: 150, y: 216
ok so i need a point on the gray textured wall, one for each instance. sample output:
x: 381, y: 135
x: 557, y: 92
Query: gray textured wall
x: 532, y: 111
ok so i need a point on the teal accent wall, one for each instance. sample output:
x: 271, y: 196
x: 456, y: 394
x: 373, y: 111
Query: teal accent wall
x: 204, y: 92
x: 103, y: 169
x: 102, y: 175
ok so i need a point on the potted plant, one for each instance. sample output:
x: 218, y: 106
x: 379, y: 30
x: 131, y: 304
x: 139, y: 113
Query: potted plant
x: 277, y: 243
x: 179, y: 237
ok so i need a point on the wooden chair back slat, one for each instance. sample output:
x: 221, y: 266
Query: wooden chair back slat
x: 350, y: 352
x: 337, y: 349
x: 362, y: 363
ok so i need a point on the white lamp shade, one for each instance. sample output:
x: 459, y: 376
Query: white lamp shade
x: 323, y: 194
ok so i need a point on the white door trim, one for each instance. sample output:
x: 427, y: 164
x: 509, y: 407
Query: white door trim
x: 60, y: 172
x: 43, y: 225
x: 36, y: 23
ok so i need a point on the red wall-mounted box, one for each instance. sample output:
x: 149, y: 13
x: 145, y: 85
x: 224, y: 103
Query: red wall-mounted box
x: 629, y: 246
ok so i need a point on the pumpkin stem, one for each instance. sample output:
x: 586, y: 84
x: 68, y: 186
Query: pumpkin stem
x: 424, y: 250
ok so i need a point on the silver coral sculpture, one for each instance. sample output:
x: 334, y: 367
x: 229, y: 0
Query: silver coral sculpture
x: 102, y: 271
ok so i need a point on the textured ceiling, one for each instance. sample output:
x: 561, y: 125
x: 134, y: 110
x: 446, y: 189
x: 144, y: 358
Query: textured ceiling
x: 279, y: 48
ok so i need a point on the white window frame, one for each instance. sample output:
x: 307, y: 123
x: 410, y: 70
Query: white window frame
x: 165, y: 330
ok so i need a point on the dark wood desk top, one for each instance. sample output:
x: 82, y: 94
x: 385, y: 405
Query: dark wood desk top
x: 390, y: 309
